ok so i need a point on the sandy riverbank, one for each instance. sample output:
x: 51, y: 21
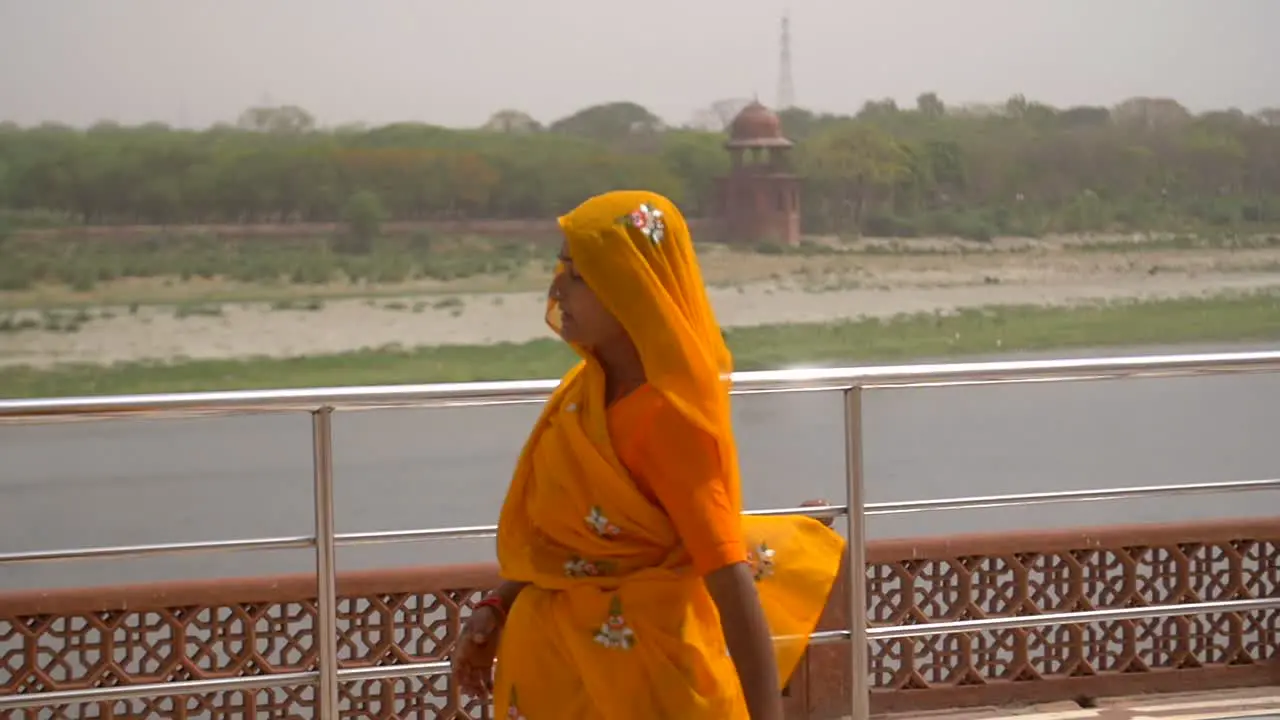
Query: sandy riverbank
x: 247, y: 330
x: 881, y: 280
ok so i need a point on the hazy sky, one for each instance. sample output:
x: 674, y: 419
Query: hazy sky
x: 453, y: 62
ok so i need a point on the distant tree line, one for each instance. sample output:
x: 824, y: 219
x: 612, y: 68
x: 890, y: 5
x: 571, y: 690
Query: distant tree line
x: 1021, y: 167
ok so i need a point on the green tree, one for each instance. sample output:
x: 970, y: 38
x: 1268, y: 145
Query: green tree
x: 283, y: 120
x: 512, y: 121
x: 1019, y: 166
x: 611, y: 122
x: 363, y: 215
x: 930, y: 105
x: 852, y: 166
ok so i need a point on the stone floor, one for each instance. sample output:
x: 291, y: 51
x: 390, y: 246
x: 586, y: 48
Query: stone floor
x: 1244, y: 704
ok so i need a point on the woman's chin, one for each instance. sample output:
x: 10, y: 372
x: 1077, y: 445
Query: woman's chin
x: 575, y: 339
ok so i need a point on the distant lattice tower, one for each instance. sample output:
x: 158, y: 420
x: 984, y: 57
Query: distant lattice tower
x: 786, y: 88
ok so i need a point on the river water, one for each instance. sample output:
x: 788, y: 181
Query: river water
x: 151, y: 481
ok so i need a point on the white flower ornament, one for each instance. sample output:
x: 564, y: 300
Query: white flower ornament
x: 649, y: 221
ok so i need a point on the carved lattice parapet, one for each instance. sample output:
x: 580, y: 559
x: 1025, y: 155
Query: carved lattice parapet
x: 60, y: 640
x: 986, y: 576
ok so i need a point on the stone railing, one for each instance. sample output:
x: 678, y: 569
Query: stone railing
x: 83, y: 638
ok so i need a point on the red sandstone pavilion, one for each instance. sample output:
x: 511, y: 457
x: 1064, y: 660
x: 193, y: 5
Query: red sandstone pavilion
x: 759, y: 201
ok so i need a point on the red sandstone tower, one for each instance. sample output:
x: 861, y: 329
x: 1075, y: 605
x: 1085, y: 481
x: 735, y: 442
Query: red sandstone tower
x: 760, y: 199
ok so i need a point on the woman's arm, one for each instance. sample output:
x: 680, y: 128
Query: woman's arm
x: 747, y: 634
x: 508, y: 591
x: 681, y: 465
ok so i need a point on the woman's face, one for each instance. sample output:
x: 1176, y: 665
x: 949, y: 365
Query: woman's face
x: 583, y: 318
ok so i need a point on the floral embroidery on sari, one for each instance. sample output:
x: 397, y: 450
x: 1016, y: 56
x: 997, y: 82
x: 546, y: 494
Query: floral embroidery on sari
x: 648, y: 220
x: 577, y: 567
x: 614, y: 633
x: 761, y: 561
x: 601, y: 523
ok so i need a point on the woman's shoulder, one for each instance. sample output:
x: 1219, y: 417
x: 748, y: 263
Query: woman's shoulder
x: 638, y: 408
x: 647, y: 412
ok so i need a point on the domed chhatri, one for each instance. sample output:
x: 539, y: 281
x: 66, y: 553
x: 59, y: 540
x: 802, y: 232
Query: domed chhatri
x: 756, y: 126
x: 759, y: 200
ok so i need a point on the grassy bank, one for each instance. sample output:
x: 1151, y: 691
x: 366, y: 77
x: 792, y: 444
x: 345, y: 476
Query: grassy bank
x: 83, y: 264
x: 68, y: 269
x: 1253, y: 317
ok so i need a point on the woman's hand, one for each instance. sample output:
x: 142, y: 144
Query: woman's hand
x: 474, y: 653
x: 819, y: 503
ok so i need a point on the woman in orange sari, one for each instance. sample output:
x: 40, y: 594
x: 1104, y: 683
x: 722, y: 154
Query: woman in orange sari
x: 633, y: 586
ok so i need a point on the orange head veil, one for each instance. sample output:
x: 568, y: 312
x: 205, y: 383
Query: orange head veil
x: 634, y: 250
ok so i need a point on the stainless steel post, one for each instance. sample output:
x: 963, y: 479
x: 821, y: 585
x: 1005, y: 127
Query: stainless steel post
x: 860, y: 695
x: 326, y: 627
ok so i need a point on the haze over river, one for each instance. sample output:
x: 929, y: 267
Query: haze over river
x: 133, y: 482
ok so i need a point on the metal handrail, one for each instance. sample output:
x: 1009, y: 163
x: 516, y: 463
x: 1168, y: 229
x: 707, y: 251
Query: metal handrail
x: 117, y: 552
x: 161, y: 689
x: 870, y: 509
x: 825, y: 512
x: 321, y: 402
x: 1069, y: 496
x: 485, y: 393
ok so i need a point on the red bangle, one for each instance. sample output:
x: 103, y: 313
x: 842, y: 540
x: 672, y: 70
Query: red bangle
x: 494, y: 602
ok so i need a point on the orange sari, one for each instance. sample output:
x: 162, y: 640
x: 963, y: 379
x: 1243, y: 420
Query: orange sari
x: 615, y: 513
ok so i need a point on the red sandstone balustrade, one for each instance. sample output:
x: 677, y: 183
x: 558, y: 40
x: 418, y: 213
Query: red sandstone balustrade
x: 65, y: 639
x: 968, y: 577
